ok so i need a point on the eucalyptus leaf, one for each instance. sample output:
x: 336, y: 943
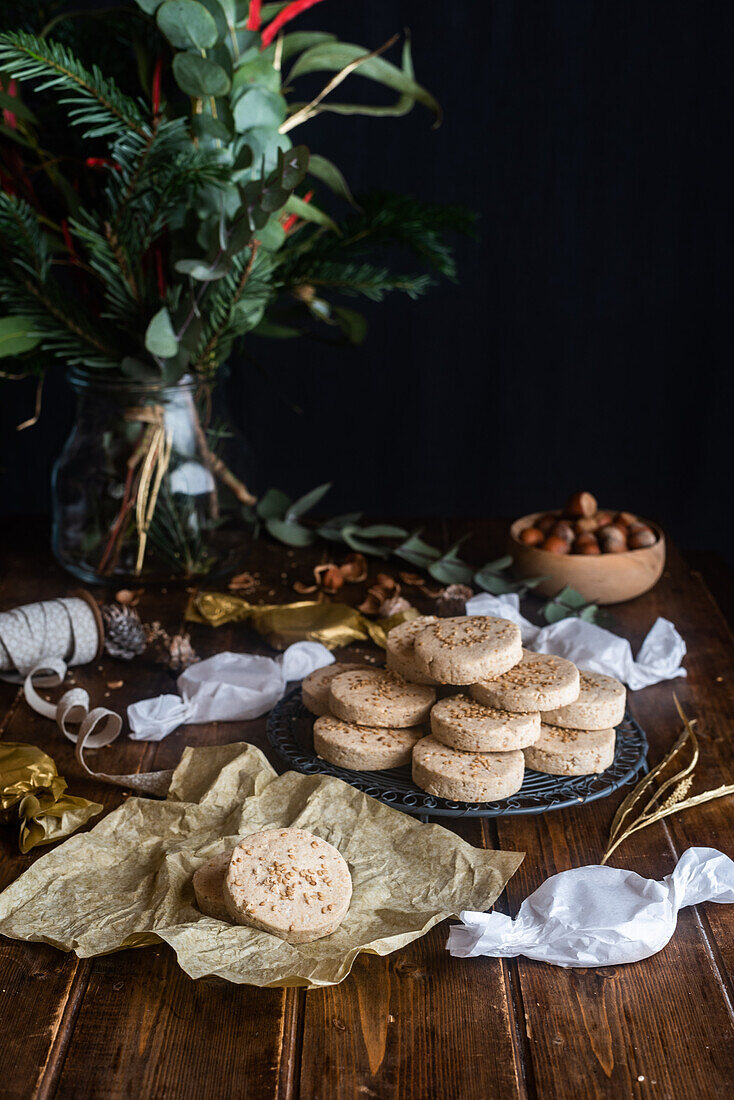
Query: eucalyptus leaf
x: 202, y: 270
x: 13, y: 104
x: 324, y: 170
x: 187, y: 24
x: 148, y: 6
x: 363, y: 546
x: 274, y: 331
x: 273, y: 504
x: 571, y: 598
x: 307, y: 501
x: 332, y: 529
x: 198, y: 77
x: 310, y: 213
x: 259, y: 107
x: 352, y: 324
x: 382, y: 531
x: 298, y: 41
x: 554, y: 612
x: 15, y: 337
x: 204, y: 125
x: 448, y: 571
x: 256, y: 68
x: 290, y: 533
x: 160, y: 339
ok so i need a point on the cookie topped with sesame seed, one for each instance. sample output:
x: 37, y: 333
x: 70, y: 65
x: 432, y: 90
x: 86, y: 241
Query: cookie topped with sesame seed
x: 400, y: 647
x: 599, y: 705
x: 208, y: 883
x: 364, y: 748
x: 469, y: 648
x: 571, y: 752
x: 288, y: 882
x: 377, y: 697
x: 464, y: 724
x: 540, y: 681
x: 466, y: 776
x: 315, y: 687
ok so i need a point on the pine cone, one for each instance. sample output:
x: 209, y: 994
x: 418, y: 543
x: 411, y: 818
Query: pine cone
x: 124, y: 636
x: 175, y: 652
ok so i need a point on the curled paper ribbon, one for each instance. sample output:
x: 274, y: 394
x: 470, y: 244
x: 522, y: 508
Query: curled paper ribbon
x: 592, y: 647
x: 69, y: 628
x: 597, y: 916
x: 86, y: 728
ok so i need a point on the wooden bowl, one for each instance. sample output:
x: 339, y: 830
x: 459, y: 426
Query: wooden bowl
x: 603, y: 578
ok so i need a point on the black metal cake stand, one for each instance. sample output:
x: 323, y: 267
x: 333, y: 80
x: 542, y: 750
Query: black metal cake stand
x: 290, y: 732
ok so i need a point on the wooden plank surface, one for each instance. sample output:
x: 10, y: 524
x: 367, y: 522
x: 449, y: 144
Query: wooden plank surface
x: 416, y: 1024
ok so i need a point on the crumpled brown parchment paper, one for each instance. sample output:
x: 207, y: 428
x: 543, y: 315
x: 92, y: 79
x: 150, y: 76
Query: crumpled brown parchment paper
x: 127, y: 882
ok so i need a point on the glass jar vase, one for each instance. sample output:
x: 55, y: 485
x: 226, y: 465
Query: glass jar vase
x: 142, y: 490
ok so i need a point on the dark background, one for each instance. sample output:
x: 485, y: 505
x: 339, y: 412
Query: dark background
x: 589, y: 342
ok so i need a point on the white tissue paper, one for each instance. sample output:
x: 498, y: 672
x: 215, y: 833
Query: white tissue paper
x: 597, y: 916
x: 228, y: 687
x: 590, y: 646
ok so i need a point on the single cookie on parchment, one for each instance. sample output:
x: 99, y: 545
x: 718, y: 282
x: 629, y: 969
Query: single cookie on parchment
x: 466, y: 776
x: 315, y: 687
x: 377, y: 697
x: 364, y: 748
x: 540, y: 681
x: 208, y: 882
x: 400, y: 649
x: 464, y: 724
x: 288, y: 882
x: 571, y: 752
x: 467, y: 649
x: 600, y: 704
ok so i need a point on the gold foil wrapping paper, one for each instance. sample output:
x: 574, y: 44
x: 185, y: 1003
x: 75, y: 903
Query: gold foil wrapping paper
x: 127, y: 882
x: 332, y: 624
x: 34, y: 794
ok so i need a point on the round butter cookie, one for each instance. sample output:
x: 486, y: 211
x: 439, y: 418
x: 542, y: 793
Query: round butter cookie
x: 539, y: 682
x: 464, y: 724
x: 571, y: 752
x: 599, y: 706
x: 288, y: 882
x: 377, y: 697
x: 315, y: 687
x: 364, y: 748
x: 401, y: 649
x: 466, y: 776
x: 208, y: 882
x: 467, y: 649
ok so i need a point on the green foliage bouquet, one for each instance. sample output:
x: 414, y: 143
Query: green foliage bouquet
x: 195, y: 222
x: 154, y: 209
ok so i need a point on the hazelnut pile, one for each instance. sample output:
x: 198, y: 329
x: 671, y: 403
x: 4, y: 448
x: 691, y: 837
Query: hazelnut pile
x: 582, y: 529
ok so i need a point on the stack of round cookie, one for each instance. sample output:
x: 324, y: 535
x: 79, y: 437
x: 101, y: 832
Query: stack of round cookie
x: 502, y: 708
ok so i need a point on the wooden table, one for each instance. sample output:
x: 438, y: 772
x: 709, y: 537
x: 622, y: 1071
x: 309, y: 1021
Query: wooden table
x: 417, y: 1024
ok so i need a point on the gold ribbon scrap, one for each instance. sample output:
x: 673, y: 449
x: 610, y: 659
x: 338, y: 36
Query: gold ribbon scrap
x: 32, y: 792
x: 332, y: 624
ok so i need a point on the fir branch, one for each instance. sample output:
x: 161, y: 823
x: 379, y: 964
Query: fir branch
x: 223, y: 318
x: 119, y: 254
x: 363, y: 279
x: 94, y: 101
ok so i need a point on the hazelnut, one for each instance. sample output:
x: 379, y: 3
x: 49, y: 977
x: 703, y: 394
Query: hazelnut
x: 563, y: 530
x: 640, y: 537
x: 546, y: 522
x: 624, y: 519
x: 613, y: 539
x: 586, y: 525
x: 586, y: 544
x: 531, y: 536
x: 580, y: 504
x: 556, y: 545
x: 603, y: 519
